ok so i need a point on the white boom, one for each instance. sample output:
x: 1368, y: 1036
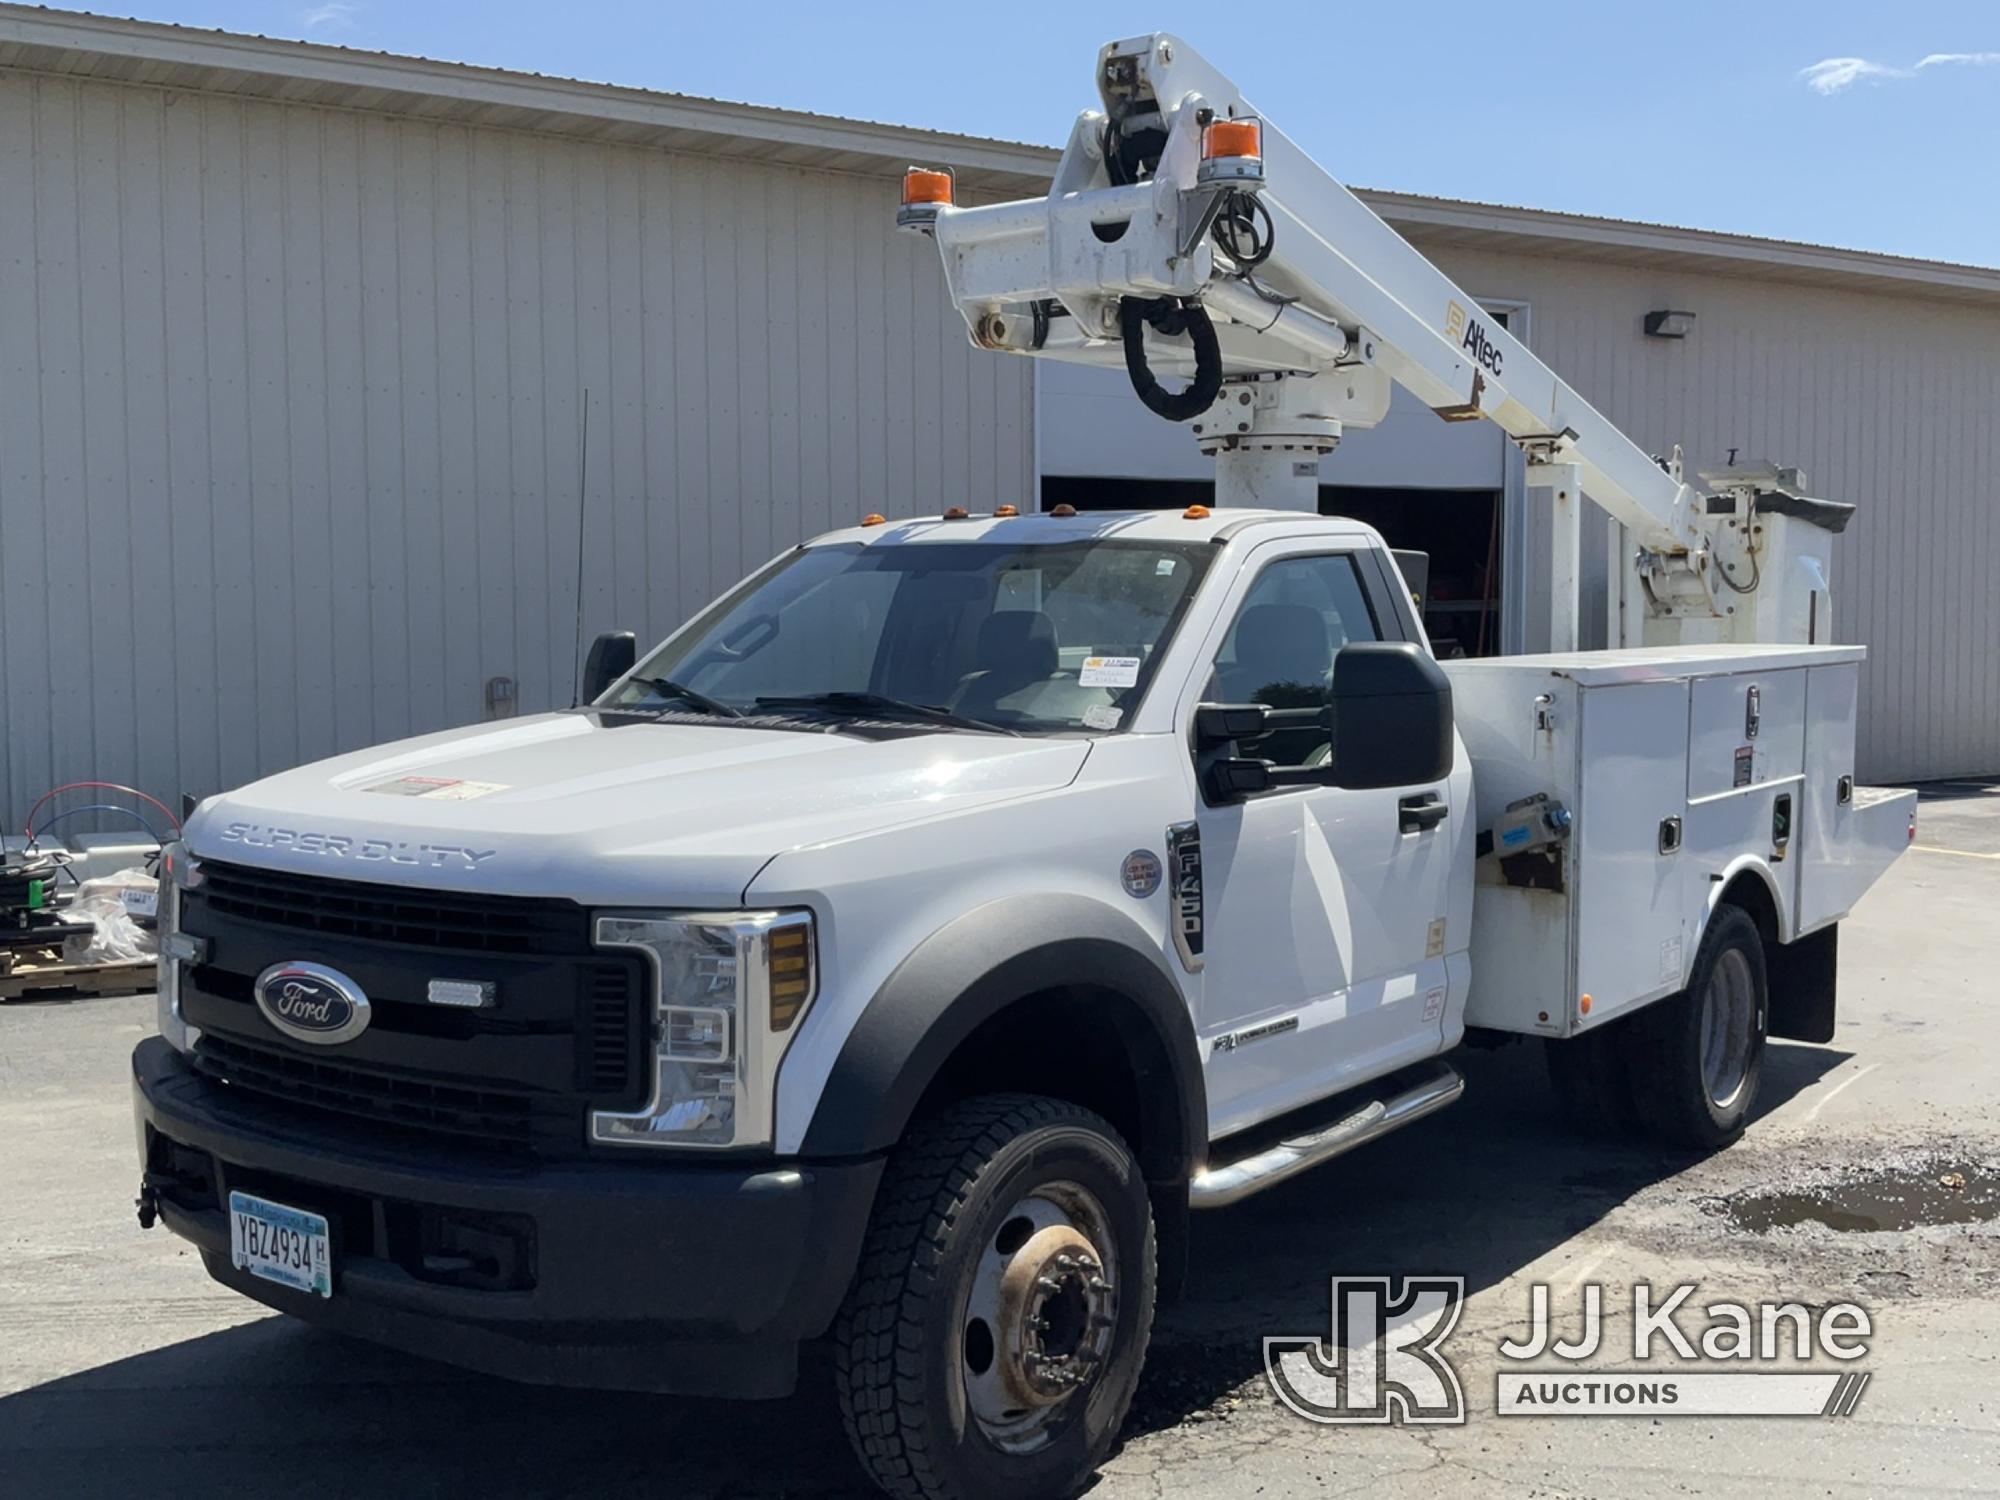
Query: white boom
x: 1233, y: 258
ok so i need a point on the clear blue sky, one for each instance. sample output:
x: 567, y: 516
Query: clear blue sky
x: 1686, y: 112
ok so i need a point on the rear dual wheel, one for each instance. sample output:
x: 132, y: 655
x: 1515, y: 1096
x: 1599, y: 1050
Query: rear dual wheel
x: 995, y: 1332
x: 1707, y: 1043
x: 1684, y: 1069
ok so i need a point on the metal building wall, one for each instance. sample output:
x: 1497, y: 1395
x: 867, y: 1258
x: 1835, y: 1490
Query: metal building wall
x: 290, y: 404
x: 1890, y: 401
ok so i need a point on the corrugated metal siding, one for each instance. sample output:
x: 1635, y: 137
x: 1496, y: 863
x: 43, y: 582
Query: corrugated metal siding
x: 1892, y: 402
x: 290, y: 404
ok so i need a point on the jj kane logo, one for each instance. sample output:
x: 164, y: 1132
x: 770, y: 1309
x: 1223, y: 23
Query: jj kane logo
x: 1470, y: 335
x: 1383, y: 1361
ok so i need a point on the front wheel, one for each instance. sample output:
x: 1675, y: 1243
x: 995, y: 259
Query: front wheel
x: 1707, y: 1043
x: 994, y: 1335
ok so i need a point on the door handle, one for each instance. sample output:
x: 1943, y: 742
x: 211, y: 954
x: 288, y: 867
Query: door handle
x: 1425, y: 810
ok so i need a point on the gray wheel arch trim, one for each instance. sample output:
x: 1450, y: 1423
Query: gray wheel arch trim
x: 972, y: 969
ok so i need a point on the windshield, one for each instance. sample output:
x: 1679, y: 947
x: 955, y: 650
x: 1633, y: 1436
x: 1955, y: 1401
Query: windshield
x: 1045, y: 639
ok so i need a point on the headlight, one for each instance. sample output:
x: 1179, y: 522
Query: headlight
x: 728, y: 990
x: 178, y: 950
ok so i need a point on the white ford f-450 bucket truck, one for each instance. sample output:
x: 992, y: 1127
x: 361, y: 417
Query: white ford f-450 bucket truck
x: 898, y: 953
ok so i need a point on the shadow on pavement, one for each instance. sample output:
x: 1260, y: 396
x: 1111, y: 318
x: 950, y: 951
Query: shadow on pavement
x: 274, y: 1408
x: 1479, y: 1191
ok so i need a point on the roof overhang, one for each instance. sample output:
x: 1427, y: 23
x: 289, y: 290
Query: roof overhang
x: 76, y: 45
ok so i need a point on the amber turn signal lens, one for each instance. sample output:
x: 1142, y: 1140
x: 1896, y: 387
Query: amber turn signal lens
x: 1232, y: 138
x: 790, y: 955
x: 922, y: 185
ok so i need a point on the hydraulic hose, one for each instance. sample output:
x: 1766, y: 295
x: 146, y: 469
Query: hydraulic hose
x: 1165, y: 315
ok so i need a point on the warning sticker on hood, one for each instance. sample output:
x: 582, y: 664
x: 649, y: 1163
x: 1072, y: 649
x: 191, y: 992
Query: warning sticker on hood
x: 435, y: 788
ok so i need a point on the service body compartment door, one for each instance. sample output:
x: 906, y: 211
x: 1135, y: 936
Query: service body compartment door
x: 1629, y: 907
x: 1848, y: 835
x: 1746, y: 762
x: 1745, y: 729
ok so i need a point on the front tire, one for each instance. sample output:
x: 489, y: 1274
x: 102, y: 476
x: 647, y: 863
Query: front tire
x: 994, y: 1335
x: 1707, y: 1043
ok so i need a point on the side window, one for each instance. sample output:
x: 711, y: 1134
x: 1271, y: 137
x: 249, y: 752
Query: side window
x: 1279, y: 651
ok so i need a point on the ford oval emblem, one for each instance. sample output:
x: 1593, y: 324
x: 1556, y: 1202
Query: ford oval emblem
x: 311, y: 1003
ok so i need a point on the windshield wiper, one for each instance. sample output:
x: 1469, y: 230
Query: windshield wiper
x: 860, y: 705
x: 667, y: 688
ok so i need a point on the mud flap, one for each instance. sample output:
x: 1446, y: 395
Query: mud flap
x: 1801, y: 982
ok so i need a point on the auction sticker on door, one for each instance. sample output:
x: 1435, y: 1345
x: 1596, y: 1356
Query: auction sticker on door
x: 285, y: 1245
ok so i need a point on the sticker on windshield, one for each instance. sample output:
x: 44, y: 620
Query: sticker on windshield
x: 435, y: 788
x: 1102, y: 716
x: 1109, y: 671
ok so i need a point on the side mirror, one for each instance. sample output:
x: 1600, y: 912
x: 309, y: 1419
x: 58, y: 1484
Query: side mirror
x: 611, y: 657
x: 1234, y: 779
x: 1217, y: 724
x: 1391, y: 716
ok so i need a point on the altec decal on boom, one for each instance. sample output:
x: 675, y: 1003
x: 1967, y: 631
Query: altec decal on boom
x: 1185, y: 236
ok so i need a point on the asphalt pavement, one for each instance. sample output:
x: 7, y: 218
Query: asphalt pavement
x: 124, y: 1371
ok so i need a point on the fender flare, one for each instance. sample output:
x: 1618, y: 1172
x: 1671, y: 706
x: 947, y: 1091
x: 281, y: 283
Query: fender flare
x: 972, y: 969
x: 1735, y: 870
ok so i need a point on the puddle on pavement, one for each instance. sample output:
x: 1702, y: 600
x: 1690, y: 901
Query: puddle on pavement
x: 1944, y: 1194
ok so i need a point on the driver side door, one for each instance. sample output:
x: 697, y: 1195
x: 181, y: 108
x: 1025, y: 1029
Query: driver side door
x: 1326, y: 907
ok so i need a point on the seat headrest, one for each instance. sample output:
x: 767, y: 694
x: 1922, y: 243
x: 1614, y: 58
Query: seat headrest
x: 1018, y: 643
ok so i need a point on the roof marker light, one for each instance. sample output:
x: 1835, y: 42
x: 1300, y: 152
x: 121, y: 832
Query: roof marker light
x: 1062, y: 510
x: 874, y: 518
x: 1006, y: 512
x: 958, y: 513
x: 1195, y: 513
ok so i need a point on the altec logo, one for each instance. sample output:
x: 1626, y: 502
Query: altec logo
x: 1470, y: 335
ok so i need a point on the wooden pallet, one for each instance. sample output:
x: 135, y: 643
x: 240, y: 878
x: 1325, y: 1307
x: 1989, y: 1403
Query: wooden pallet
x: 43, y: 976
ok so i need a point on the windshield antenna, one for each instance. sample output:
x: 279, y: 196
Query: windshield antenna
x: 582, y: 477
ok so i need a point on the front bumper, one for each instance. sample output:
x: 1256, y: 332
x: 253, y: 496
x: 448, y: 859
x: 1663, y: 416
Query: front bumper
x: 692, y: 1278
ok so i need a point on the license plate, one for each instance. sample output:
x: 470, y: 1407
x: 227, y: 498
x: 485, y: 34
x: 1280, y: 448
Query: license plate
x: 285, y: 1245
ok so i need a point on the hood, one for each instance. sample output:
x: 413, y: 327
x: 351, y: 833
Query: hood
x: 610, y: 812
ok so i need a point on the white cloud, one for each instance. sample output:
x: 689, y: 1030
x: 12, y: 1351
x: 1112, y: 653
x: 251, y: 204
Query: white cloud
x: 1832, y: 75
x: 1974, y: 59
x: 332, y: 13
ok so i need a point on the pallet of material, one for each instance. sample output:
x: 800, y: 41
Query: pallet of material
x: 43, y: 976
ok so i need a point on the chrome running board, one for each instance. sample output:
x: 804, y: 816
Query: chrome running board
x: 1231, y: 1182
